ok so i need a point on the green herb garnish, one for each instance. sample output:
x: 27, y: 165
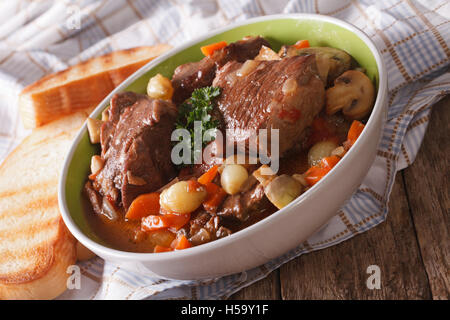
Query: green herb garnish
x: 198, y: 108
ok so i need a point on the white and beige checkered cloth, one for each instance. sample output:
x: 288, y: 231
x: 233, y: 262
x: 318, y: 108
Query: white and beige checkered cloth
x: 40, y: 37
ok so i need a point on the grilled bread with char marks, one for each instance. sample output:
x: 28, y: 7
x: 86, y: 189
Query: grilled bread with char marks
x: 81, y: 86
x: 35, y: 246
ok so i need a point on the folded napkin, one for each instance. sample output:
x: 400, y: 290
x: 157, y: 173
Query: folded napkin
x: 44, y: 36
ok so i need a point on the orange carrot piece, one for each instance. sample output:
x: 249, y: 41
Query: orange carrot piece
x: 215, y: 197
x: 171, y: 221
x: 176, y: 220
x: 152, y: 223
x: 193, y: 185
x: 211, y: 188
x: 181, y: 242
x: 315, y: 173
x: 300, y: 44
x: 209, y: 49
x: 159, y: 248
x: 354, y: 132
x: 209, y: 175
x: 144, y: 205
x: 329, y: 162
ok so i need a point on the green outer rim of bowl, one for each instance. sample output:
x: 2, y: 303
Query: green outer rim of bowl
x: 278, y: 30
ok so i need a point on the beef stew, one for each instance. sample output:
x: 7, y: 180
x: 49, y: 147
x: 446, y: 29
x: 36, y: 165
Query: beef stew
x: 138, y: 199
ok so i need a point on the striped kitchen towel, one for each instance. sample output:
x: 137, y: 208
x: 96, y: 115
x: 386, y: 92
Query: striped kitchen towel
x: 40, y: 37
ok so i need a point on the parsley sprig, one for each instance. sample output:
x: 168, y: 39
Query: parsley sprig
x: 198, y: 108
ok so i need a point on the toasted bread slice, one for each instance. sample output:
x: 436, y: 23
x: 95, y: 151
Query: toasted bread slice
x: 35, y: 246
x: 83, y: 85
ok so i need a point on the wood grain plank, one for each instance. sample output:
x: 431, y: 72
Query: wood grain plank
x: 265, y: 289
x: 427, y: 183
x: 340, y: 272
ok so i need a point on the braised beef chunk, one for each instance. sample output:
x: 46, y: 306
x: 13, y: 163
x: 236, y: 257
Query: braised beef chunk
x: 190, y: 76
x: 240, y: 205
x: 239, y: 51
x: 281, y: 94
x: 137, y: 142
x: 119, y: 103
x: 94, y: 198
x: 205, y: 227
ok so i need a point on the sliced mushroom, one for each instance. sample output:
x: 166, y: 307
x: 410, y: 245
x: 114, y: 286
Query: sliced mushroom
x: 353, y: 93
x: 282, y: 190
x: 331, y: 62
x: 264, y: 175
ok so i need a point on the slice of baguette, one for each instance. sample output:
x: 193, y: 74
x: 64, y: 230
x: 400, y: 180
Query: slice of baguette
x: 35, y: 246
x: 81, y: 86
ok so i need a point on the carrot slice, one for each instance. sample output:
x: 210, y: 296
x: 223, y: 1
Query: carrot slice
x: 300, y: 44
x: 211, y: 188
x: 193, y: 185
x: 354, y: 132
x: 215, y: 197
x: 176, y: 221
x: 209, y: 49
x: 144, y: 205
x: 181, y: 242
x: 171, y: 221
x: 315, y: 173
x: 329, y: 162
x: 152, y: 223
x: 209, y: 175
x: 159, y: 248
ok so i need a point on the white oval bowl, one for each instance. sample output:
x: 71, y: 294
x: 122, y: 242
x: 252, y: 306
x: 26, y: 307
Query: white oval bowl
x: 273, y: 236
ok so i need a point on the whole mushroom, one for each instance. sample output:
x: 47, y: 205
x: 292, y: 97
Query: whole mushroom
x: 280, y: 190
x: 331, y: 62
x: 353, y: 93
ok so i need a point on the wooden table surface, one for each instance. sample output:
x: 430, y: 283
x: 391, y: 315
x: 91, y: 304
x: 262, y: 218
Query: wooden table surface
x: 411, y: 248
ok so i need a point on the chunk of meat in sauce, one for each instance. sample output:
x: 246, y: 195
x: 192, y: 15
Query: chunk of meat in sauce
x: 240, y: 206
x: 205, y: 228
x: 281, y: 94
x: 94, y: 198
x: 190, y: 76
x: 138, y: 148
x: 119, y: 103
